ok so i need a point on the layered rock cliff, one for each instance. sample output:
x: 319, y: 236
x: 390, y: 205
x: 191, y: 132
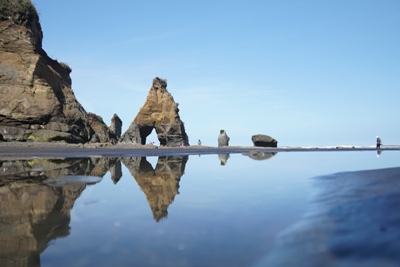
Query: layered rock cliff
x: 37, y: 102
x: 159, y: 112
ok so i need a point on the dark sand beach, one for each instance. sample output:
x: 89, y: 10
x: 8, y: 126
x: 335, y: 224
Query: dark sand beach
x: 23, y: 150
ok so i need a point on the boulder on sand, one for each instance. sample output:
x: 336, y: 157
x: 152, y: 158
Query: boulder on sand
x: 264, y: 140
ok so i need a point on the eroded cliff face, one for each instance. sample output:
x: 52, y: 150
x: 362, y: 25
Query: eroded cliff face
x: 159, y: 112
x: 37, y: 102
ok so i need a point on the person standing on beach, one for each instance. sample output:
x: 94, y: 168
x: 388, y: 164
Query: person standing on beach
x: 378, y: 142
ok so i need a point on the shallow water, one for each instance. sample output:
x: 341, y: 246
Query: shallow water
x: 208, y: 210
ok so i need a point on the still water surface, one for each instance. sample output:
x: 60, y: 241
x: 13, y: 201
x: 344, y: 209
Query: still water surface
x: 208, y: 210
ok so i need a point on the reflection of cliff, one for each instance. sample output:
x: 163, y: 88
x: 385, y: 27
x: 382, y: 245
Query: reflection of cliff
x: 160, y: 185
x: 33, y: 213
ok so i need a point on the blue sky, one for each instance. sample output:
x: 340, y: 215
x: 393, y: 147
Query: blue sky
x: 309, y: 72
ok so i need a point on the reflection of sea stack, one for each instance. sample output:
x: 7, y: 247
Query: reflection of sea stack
x: 116, y: 171
x: 223, y: 158
x: 223, y: 139
x: 160, y: 185
x: 159, y: 112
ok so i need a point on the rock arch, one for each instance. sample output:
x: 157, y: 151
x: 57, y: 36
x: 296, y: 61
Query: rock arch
x: 159, y: 112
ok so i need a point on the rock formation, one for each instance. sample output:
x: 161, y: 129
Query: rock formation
x: 223, y: 139
x: 160, y: 185
x: 37, y: 102
x: 103, y: 134
x: 159, y: 112
x: 116, y: 126
x: 264, y: 140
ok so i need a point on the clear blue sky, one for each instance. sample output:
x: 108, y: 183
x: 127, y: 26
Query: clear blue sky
x: 309, y: 72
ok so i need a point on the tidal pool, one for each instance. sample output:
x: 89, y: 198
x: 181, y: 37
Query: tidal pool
x: 287, y: 209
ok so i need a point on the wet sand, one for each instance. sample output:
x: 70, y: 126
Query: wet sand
x: 22, y: 150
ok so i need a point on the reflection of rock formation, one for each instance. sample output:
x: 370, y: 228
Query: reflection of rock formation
x: 258, y: 155
x: 116, y: 171
x: 161, y: 184
x: 159, y: 112
x: 223, y: 158
x: 33, y: 213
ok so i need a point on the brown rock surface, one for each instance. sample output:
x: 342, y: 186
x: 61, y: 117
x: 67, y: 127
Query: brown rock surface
x: 32, y: 212
x: 160, y: 185
x: 159, y: 112
x: 102, y: 131
x: 37, y: 102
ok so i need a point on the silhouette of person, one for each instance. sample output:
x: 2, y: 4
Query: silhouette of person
x: 199, y: 142
x: 378, y: 142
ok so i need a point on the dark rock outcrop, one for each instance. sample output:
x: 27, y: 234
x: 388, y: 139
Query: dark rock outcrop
x: 116, y: 126
x: 159, y: 112
x: 37, y: 102
x: 264, y: 140
x: 223, y: 139
x: 102, y: 132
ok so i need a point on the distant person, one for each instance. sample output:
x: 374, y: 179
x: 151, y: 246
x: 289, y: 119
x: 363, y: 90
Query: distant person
x: 199, y: 142
x: 378, y: 142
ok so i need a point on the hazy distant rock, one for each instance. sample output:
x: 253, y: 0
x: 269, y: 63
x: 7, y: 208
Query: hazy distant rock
x: 37, y: 102
x: 264, y: 140
x: 159, y: 112
x: 223, y: 139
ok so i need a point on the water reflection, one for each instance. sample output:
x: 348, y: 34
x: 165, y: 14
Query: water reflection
x: 258, y: 155
x: 223, y: 158
x: 33, y: 212
x: 160, y: 185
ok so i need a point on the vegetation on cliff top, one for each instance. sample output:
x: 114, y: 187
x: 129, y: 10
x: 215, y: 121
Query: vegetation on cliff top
x: 19, y: 11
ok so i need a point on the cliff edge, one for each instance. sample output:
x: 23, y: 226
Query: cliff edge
x: 37, y: 102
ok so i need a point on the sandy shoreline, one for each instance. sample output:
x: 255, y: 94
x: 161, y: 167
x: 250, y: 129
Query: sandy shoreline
x: 21, y: 150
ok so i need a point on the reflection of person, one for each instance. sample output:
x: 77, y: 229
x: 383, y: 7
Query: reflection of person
x: 378, y: 153
x: 378, y: 142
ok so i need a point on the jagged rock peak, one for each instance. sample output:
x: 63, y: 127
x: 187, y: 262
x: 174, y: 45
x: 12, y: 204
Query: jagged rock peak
x: 159, y: 112
x: 116, y: 126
